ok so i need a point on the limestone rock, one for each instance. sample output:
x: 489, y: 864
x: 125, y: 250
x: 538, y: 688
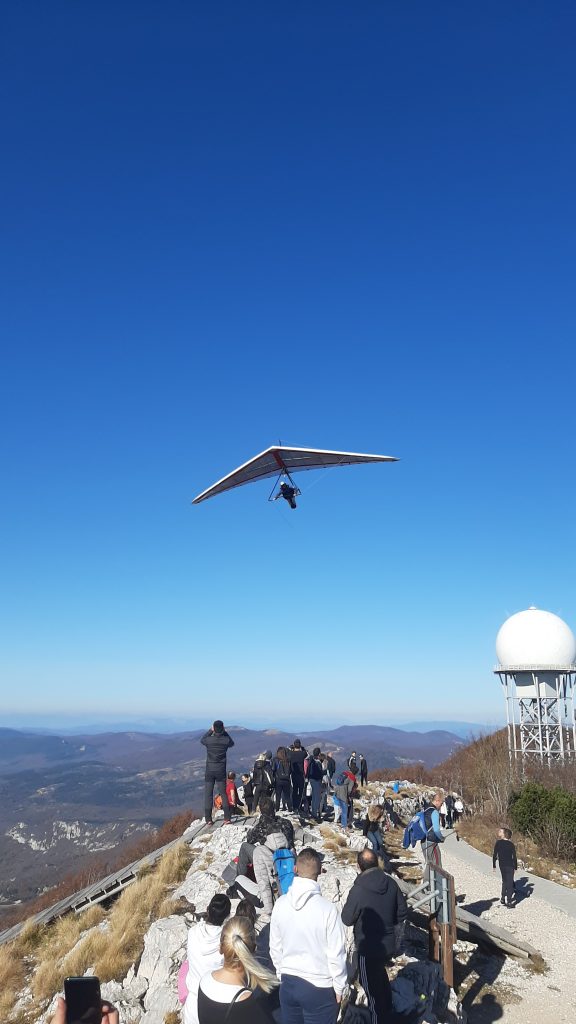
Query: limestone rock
x: 163, y: 1000
x: 164, y: 950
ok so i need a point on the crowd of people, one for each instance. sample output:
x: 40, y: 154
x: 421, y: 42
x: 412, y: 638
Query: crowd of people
x: 296, y: 780
x: 294, y: 968
x: 281, y: 957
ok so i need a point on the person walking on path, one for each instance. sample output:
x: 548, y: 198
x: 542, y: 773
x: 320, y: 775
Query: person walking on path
x: 298, y: 755
x: 307, y: 946
x: 505, y: 854
x: 203, y: 951
x: 458, y: 809
x: 217, y: 743
x: 363, y: 770
x: 375, y: 908
x: 228, y: 995
x: 430, y: 845
x: 281, y: 771
x: 449, y: 801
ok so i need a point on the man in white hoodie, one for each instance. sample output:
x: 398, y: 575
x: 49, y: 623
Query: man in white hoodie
x: 307, y: 947
x: 203, y: 951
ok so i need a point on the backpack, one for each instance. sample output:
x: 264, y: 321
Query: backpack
x: 284, y: 863
x: 415, y: 830
x: 315, y: 769
x: 282, y: 770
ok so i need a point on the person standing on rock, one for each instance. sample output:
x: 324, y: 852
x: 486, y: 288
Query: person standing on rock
x: 217, y: 743
x: 262, y: 778
x: 363, y: 770
x: 429, y: 846
x: 375, y: 908
x: 308, y: 948
x: 203, y: 951
x: 298, y: 755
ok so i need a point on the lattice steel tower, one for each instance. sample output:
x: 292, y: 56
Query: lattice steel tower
x: 536, y: 652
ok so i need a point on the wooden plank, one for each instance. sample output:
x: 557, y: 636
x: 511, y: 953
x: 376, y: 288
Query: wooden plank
x: 474, y: 929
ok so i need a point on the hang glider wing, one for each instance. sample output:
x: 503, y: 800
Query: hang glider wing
x: 277, y: 460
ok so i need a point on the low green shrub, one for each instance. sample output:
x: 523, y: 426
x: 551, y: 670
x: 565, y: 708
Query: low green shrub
x: 548, y: 816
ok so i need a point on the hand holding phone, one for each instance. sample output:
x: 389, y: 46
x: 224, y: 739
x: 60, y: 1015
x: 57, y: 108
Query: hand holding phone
x: 83, y: 1004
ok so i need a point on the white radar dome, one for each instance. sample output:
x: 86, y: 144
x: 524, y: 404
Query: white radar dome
x: 535, y: 639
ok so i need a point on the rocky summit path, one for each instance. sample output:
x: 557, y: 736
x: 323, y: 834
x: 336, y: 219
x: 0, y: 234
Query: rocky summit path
x: 506, y: 990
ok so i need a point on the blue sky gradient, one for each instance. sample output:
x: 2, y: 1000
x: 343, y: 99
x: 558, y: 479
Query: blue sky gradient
x: 342, y: 226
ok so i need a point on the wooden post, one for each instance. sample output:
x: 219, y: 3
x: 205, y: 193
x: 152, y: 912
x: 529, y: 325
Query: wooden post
x: 433, y: 940
x: 447, y: 945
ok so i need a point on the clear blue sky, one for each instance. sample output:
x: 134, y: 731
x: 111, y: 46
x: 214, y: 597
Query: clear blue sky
x: 342, y: 225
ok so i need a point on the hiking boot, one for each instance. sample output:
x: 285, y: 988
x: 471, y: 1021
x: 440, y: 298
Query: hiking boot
x: 503, y: 902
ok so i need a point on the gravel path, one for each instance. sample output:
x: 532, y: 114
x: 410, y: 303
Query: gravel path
x: 516, y: 994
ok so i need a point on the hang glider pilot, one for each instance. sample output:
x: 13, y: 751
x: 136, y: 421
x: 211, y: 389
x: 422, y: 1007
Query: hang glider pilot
x: 288, y: 493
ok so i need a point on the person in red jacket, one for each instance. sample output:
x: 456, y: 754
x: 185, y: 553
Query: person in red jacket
x: 232, y: 794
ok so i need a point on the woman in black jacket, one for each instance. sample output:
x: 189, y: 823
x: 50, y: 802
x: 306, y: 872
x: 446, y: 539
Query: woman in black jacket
x: 262, y: 777
x: 281, y: 771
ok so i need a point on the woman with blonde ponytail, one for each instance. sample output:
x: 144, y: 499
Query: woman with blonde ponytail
x: 229, y: 994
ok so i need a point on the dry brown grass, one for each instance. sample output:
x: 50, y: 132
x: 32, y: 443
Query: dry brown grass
x: 172, y: 1017
x: 74, y: 942
x: 13, y: 974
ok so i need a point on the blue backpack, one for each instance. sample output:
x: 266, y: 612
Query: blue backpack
x: 415, y: 830
x: 284, y: 863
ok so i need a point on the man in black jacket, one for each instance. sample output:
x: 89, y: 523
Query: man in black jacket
x: 298, y: 755
x: 363, y: 770
x: 217, y: 743
x: 375, y: 907
x: 505, y: 854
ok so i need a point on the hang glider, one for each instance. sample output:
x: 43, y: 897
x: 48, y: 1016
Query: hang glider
x: 281, y: 462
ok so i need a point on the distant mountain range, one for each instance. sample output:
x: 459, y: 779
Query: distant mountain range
x: 64, y: 797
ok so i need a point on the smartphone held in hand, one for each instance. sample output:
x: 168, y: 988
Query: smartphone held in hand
x: 83, y: 1001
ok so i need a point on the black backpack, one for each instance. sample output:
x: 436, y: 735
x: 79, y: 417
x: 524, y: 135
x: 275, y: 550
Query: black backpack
x: 282, y: 770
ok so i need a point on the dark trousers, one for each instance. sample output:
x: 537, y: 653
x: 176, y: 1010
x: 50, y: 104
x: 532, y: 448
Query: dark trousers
x: 283, y: 794
x: 245, y: 855
x: 259, y: 791
x: 507, y: 883
x: 373, y: 977
x: 375, y: 840
x: 316, y: 785
x: 211, y: 781
x: 297, y: 790
x: 363, y: 778
x: 303, y: 1003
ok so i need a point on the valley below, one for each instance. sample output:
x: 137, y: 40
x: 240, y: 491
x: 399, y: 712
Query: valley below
x: 68, y: 804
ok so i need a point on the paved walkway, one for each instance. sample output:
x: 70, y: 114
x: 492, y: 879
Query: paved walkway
x: 556, y: 895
